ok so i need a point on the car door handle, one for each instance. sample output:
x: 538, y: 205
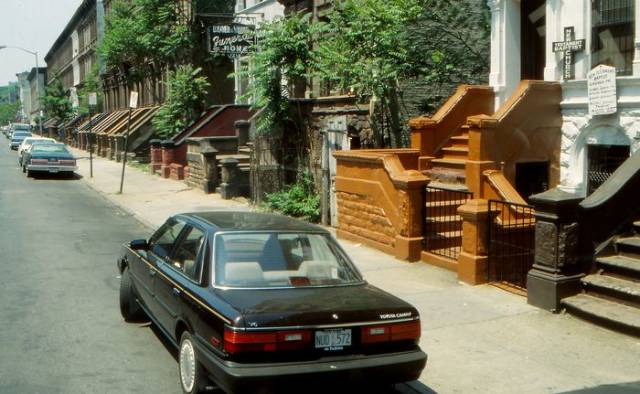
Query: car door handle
x: 176, y: 291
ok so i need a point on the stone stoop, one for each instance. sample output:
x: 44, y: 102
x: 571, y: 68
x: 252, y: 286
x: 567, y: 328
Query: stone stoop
x: 611, y: 297
x: 450, y: 168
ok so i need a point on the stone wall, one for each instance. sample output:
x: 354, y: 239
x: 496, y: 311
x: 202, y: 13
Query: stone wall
x: 202, y: 164
x: 579, y: 129
x: 360, y: 216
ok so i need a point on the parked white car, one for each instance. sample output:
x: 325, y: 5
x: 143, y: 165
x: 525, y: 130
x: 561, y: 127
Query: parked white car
x: 28, y: 142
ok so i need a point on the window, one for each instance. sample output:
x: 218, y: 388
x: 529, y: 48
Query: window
x: 262, y: 260
x: 187, y: 257
x: 612, y: 40
x: 162, y: 241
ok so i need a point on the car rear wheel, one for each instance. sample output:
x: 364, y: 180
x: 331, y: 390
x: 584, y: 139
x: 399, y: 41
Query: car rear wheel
x: 129, y: 307
x: 29, y: 173
x: 193, y: 378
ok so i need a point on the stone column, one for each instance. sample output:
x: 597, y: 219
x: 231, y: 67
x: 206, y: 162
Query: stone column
x: 556, y: 271
x: 155, y: 156
x: 481, y: 138
x: 228, y: 186
x: 411, y: 199
x: 636, y: 59
x: 167, y: 157
x: 474, y: 259
x: 210, y: 169
x: 242, y: 131
x: 505, y: 47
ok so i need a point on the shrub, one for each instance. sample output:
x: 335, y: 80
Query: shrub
x: 299, y: 200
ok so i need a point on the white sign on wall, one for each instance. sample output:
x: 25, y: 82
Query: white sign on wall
x: 603, y: 95
x: 93, y: 99
x: 75, y: 102
x: 133, y: 100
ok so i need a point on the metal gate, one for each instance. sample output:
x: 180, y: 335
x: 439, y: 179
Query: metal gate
x: 443, y: 225
x: 511, y: 242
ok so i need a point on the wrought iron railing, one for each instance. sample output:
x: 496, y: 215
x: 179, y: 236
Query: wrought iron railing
x: 443, y: 225
x: 511, y: 242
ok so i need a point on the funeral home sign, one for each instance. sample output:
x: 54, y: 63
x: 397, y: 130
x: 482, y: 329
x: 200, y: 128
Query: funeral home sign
x: 603, y: 96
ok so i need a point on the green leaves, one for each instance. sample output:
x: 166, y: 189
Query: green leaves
x: 298, y: 200
x: 187, y: 92
x: 56, y: 102
x: 8, y: 112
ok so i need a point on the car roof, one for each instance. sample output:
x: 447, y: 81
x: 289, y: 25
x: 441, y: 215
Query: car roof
x: 251, y: 221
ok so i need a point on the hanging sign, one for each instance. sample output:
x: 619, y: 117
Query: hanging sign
x: 133, y: 100
x: 93, y: 99
x: 231, y: 39
x: 603, y: 95
x: 75, y: 102
x: 568, y: 47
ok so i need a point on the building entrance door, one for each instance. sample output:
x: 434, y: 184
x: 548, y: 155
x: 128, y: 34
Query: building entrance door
x: 532, y: 39
x: 532, y: 178
x: 603, y: 161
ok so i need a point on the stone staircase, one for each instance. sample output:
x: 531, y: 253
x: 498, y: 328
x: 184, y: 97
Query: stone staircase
x: 450, y: 168
x: 611, y: 296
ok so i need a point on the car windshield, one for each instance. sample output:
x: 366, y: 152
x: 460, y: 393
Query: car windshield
x: 43, y: 148
x: 39, y: 142
x: 20, y: 135
x: 269, y: 259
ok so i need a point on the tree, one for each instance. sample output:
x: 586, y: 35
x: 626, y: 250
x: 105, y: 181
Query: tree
x: 8, y: 112
x: 187, y: 90
x: 284, y: 56
x: 56, y: 102
x: 367, y: 51
x: 91, y: 85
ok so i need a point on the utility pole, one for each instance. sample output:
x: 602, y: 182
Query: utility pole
x: 93, y: 101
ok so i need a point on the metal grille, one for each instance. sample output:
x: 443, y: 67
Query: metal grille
x: 612, y: 34
x: 443, y: 225
x: 511, y: 242
x: 603, y: 161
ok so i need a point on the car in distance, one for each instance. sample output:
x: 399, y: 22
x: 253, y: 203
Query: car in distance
x: 48, y: 158
x: 28, y: 142
x: 257, y: 302
x: 17, y: 137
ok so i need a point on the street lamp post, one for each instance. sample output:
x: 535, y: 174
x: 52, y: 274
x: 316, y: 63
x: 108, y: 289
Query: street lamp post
x: 37, y: 76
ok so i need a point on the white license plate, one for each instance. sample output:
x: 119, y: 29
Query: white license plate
x: 333, y: 339
x: 53, y: 170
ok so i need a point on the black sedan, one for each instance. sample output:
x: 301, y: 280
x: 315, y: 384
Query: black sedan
x: 48, y: 158
x: 259, y: 302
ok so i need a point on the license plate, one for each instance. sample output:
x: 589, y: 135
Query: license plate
x: 333, y: 339
x: 53, y: 170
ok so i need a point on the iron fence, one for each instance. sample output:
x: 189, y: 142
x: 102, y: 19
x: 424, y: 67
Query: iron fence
x: 443, y: 225
x: 511, y: 242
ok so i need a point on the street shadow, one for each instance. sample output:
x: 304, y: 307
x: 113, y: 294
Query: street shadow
x: 168, y: 345
x: 619, y: 388
x: 58, y: 176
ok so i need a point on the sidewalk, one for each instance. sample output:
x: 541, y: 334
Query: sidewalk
x: 479, y: 339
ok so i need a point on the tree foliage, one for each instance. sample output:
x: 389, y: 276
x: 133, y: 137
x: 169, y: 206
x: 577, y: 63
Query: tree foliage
x: 8, y: 112
x: 187, y: 91
x: 143, y: 37
x: 91, y: 85
x: 283, y: 57
x: 56, y: 102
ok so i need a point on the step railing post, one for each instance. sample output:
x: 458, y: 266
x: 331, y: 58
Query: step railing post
x: 556, y: 271
x: 473, y: 261
x: 482, y: 130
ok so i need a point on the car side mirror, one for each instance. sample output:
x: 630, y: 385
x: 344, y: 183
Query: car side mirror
x: 139, y: 244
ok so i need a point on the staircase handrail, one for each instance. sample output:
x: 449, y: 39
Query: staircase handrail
x: 467, y: 100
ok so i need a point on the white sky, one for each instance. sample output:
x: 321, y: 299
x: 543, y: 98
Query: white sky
x: 33, y: 25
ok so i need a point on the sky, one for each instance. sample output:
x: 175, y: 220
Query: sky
x: 33, y: 25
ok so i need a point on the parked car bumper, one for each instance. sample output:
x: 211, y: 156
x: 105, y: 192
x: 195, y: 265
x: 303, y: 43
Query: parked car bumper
x: 384, y: 369
x: 51, y: 168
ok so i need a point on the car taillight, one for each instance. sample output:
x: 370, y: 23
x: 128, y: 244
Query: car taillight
x: 67, y: 162
x: 391, y: 332
x: 273, y: 341
x: 39, y: 161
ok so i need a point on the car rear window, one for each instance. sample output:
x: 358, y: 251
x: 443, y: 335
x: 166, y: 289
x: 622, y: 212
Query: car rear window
x: 270, y: 259
x: 44, y: 148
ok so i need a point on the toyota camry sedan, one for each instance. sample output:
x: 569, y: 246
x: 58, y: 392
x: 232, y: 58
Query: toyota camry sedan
x: 260, y: 303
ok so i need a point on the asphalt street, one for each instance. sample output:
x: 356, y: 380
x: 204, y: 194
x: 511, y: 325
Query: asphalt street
x: 61, y: 329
